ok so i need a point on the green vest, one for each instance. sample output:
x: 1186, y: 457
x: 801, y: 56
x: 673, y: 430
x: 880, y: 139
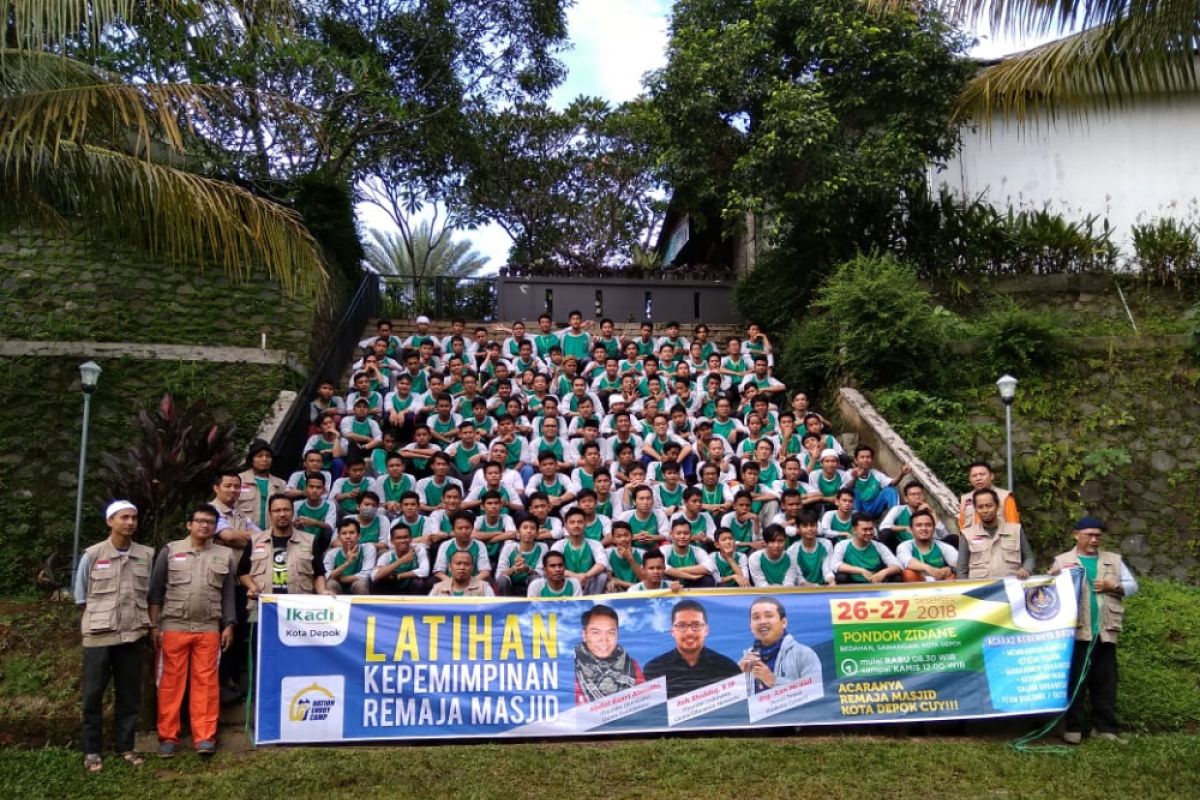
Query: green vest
x: 810, y: 563
x: 622, y: 570
x: 674, y: 559
x: 320, y: 512
x: 774, y: 571
x: 868, y: 559
x: 568, y: 590
x: 473, y: 548
x: 355, y: 567
x: 393, y: 489
x: 580, y: 560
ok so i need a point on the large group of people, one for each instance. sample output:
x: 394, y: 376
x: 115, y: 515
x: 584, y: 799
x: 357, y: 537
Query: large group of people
x: 544, y: 463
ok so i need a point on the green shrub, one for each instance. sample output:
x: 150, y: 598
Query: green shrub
x: 1159, y: 655
x: 937, y: 429
x: 778, y: 290
x: 889, y: 332
x: 1166, y: 250
x: 809, y: 356
x: 1019, y: 341
x: 1045, y: 243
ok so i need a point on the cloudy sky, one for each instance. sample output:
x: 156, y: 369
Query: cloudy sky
x: 613, y: 44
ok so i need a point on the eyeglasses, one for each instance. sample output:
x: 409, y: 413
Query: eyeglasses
x: 694, y: 627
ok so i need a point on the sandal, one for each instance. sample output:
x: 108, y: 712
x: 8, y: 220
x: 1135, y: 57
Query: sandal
x: 132, y: 759
x: 93, y: 763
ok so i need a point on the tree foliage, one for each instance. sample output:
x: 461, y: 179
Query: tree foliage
x: 1112, y: 52
x: 387, y: 83
x: 423, y: 254
x: 816, y: 115
x: 83, y: 143
x: 171, y: 465
x: 574, y: 189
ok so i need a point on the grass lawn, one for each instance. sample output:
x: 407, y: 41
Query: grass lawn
x: 690, y: 769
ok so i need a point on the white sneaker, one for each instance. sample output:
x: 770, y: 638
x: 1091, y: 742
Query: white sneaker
x: 1072, y: 737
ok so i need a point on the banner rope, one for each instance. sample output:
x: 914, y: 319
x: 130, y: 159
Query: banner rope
x: 250, y: 679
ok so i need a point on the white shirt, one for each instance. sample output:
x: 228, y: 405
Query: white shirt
x: 758, y: 578
x: 839, y: 555
x: 905, y: 553
x: 388, y: 556
x: 703, y: 559
x: 820, y: 545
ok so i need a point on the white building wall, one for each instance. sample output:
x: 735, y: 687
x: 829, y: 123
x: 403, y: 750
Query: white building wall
x: 1131, y: 165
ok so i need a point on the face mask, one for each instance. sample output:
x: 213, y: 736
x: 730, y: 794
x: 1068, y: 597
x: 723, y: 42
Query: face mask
x: 368, y: 513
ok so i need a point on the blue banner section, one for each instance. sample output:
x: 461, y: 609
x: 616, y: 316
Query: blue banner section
x: 376, y: 668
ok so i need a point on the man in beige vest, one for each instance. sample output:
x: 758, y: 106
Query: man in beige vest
x: 192, y: 609
x: 980, y: 476
x: 234, y: 528
x: 111, y: 584
x: 992, y: 547
x: 460, y: 582
x: 280, y: 560
x: 258, y: 484
x: 1107, y: 582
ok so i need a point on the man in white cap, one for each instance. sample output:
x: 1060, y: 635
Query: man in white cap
x: 422, y: 336
x: 111, y: 584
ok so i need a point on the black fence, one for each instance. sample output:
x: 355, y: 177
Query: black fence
x: 440, y: 297
x: 338, y: 353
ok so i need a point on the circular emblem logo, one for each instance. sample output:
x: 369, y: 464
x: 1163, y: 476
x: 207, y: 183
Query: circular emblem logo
x: 1042, y: 602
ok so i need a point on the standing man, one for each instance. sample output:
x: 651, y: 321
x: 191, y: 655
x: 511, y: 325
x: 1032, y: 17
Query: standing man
x: 1101, y: 610
x: 111, y: 584
x: 992, y: 547
x: 980, y: 476
x: 192, y: 616
x: 258, y: 484
x: 281, y: 560
x: 690, y: 665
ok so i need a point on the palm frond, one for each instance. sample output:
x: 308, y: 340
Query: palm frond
x: 38, y: 24
x: 1102, y: 67
x: 185, y: 216
x: 138, y: 116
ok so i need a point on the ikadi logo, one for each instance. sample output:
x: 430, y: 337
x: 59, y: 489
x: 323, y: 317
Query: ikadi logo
x: 311, y: 621
x: 315, y: 616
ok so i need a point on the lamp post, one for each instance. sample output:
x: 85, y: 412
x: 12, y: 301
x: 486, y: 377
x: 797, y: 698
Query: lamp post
x: 1008, y: 392
x: 89, y: 376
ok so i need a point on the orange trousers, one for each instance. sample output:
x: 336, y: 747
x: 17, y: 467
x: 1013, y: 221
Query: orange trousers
x: 201, y: 652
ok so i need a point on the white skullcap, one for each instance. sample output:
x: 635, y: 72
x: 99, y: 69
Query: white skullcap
x: 118, y: 505
x: 422, y: 320
x: 828, y: 452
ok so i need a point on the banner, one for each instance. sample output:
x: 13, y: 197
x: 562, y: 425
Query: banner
x: 371, y: 668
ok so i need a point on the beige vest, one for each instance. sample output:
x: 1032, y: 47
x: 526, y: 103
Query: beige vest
x: 116, y: 611
x: 249, y: 500
x: 299, y: 565
x: 1112, y: 607
x: 966, y: 507
x: 993, y: 556
x: 195, y: 580
x: 476, y: 588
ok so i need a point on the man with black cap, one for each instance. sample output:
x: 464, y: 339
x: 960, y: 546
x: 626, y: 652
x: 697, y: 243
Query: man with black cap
x: 1107, y: 582
x: 258, y: 484
x: 112, y: 583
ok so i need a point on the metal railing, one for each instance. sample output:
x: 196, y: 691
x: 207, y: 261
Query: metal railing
x: 339, y: 351
x: 440, y: 297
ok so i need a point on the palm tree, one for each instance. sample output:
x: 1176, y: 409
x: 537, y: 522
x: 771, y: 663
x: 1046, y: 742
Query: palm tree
x: 420, y: 255
x: 79, y: 143
x: 1115, y: 51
